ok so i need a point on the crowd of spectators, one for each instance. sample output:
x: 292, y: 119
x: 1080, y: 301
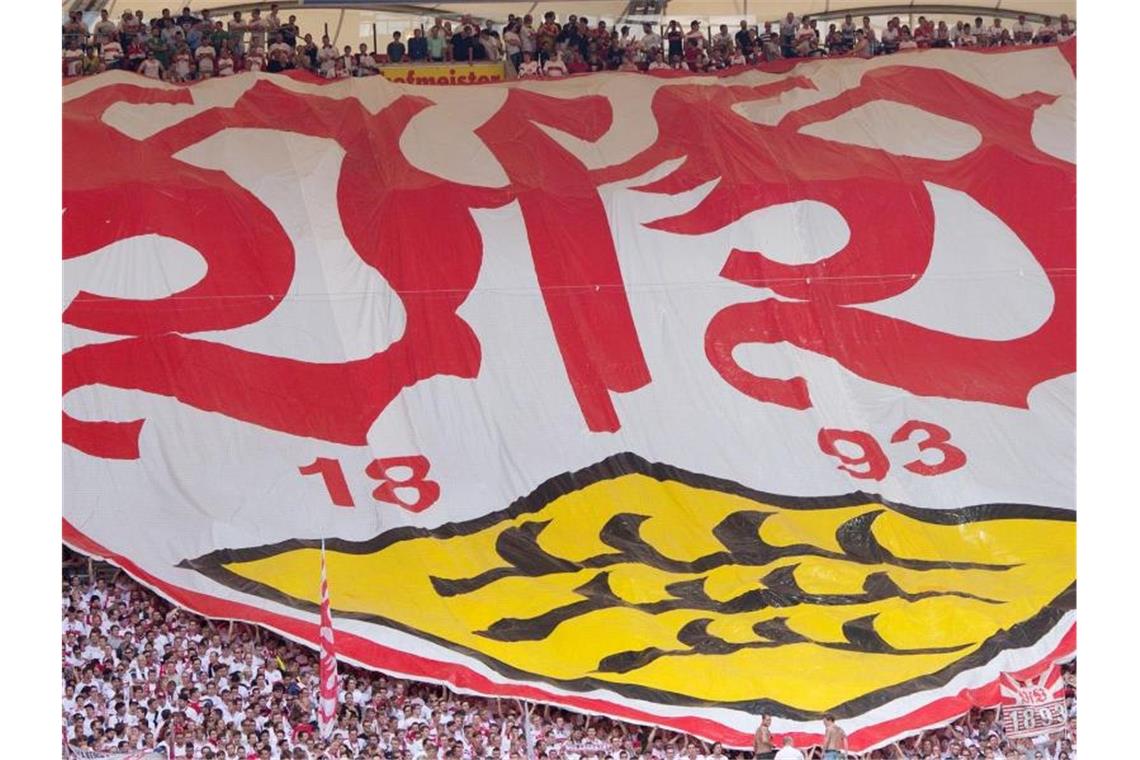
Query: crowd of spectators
x: 140, y: 674
x: 190, y: 46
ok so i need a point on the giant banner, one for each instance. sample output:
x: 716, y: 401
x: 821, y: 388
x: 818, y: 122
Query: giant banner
x: 682, y: 399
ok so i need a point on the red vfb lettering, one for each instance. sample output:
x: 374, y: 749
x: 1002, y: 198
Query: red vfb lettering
x: 883, y: 199
x: 384, y: 206
x: 574, y: 255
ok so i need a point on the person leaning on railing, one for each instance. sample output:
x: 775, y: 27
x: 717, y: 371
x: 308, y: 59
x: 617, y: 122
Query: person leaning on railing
x: 417, y: 46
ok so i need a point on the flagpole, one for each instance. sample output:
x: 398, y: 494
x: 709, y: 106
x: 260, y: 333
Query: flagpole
x: 328, y: 694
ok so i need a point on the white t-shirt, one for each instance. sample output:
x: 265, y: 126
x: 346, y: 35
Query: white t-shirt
x: 151, y: 67
x: 76, y: 625
x: 528, y: 69
x: 112, y: 51
x: 104, y: 30
x: 789, y: 753
x: 205, y: 55
x: 73, y: 61
x: 182, y: 64
x: 257, y: 29
x: 555, y: 68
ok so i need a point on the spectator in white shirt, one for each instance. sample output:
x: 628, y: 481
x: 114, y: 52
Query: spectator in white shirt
x: 1022, y: 31
x: 788, y: 752
x: 555, y: 66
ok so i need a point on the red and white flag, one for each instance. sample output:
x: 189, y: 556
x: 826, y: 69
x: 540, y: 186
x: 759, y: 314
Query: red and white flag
x: 1033, y: 707
x: 326, y: 706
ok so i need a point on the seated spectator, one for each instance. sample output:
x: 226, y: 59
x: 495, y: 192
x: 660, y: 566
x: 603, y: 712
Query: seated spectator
x: 890, y: 38
x: 112, y: 53
x: 941, y: 36
x: 1022, y: 31
x: 181, y: 69
x: 554, y: 66
x: 862, y: 47
x: 695, y: 58
x: 1046, y: 33
x: 226, y: 63
x: 658, y: 63
x: 528, y: 68
x: 967, y: 39
x: 574, y: 62
x: 205, y: 60
x: 923, y: 33
x: 737, y: 58
x: 396, y: 49
x: 906, y: 41
x: 1066, y: 29
x: 998, y: 34
x: 151, y: 67
x: 73, y: 58
x: 981, y: 33
x: 280, y: 55
x: 366, y: 65
x: 255, y: 60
